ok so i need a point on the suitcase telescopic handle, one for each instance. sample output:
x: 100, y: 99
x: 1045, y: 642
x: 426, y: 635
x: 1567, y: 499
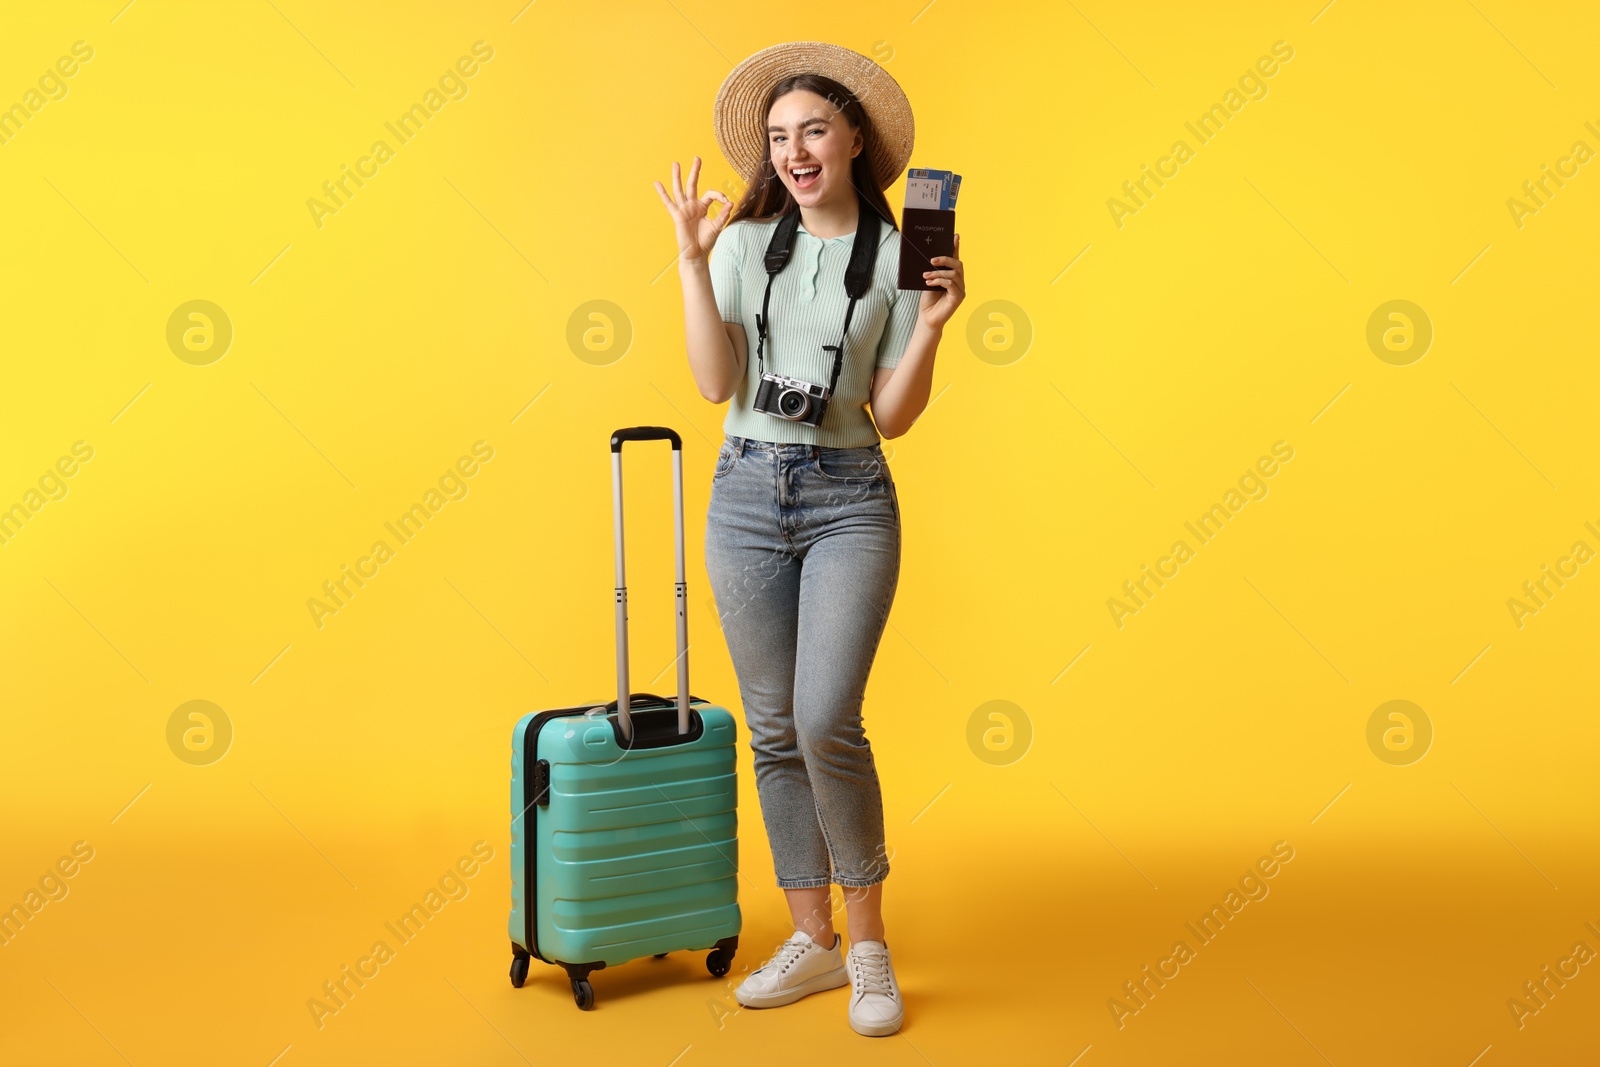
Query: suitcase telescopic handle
x: 624, y: 701
x: 646, y: 433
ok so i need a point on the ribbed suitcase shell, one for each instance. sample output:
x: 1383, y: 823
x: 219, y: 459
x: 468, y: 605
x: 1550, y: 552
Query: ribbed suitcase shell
x: 636, y: 853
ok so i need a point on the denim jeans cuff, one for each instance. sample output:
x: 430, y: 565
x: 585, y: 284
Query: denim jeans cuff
x: 803, y: 883
x: 863, y: 883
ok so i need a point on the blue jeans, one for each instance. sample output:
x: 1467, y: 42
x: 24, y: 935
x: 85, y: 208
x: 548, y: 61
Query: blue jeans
x: 803, y: 551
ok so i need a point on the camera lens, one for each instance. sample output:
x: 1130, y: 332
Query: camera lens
x: 792, y: 403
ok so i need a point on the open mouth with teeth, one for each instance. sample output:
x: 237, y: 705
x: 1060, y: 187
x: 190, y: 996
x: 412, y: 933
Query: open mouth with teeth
x: 804, y: 177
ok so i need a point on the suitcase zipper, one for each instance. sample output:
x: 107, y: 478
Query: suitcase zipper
x: 530, y: 807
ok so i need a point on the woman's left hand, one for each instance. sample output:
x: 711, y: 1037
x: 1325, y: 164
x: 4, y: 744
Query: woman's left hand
x: 937, y: 307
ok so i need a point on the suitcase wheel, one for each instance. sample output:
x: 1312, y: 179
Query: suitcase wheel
x: 719, y: 961
x: 519, y: 970
x: 583, y: 993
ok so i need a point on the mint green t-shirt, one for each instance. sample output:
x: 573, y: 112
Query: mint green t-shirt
x: 806, y: 312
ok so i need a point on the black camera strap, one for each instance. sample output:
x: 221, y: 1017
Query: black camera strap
x: 857, y: 277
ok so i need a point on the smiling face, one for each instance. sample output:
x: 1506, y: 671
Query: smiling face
x: 811, y: 144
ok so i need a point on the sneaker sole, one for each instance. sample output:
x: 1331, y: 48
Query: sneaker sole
x: 814, y: 984
x: 877, y: 1029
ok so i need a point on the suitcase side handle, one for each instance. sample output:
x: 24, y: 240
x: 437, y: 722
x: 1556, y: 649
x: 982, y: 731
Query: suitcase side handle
x: 681, y: 589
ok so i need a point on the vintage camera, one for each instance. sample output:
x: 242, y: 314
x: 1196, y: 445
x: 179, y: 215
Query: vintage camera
x: 792, y: 398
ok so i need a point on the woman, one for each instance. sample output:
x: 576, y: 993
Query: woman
x: 803, y: 531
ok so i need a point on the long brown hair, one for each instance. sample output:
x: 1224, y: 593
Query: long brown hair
x: 767, y: 196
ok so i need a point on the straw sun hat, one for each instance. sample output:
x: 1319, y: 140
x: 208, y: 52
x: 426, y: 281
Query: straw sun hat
x: 741, y: 121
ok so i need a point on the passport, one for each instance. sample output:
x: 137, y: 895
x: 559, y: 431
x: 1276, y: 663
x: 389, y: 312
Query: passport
x: 924, y: 233
x: 927, y: 225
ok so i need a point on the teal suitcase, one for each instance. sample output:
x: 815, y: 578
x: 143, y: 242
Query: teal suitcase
x: 624, y: 829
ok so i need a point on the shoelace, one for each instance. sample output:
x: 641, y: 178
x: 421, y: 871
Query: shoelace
x: 786, y: 955
x: 872, y: 973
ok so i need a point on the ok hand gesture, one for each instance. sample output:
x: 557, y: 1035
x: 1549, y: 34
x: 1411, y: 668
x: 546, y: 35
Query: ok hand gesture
x: 697, y: 231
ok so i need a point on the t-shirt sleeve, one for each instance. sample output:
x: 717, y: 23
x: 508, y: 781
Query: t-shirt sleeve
x: 727, y: 266
x: 897, y: 330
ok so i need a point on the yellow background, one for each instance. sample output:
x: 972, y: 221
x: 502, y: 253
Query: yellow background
x: 433, y: 308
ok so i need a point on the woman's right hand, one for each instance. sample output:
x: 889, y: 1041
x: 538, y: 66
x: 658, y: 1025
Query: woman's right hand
x: 697, y: 232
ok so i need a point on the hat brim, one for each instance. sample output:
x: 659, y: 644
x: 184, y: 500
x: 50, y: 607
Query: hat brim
x: 739, y: 115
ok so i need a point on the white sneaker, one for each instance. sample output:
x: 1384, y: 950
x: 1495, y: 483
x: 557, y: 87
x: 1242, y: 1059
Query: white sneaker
x: 799, y: 968
x: 876, y: 1009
